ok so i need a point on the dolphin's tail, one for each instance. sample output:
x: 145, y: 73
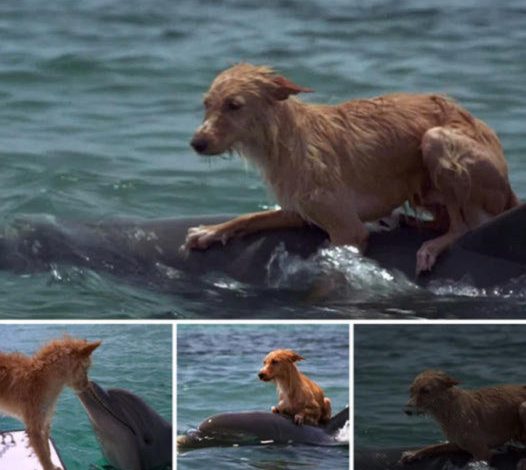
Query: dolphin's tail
x: 337, y: 421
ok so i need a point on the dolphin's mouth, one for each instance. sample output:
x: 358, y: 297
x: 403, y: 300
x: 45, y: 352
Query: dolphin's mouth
x: 91, y: 390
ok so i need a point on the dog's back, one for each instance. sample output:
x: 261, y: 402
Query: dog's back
x: 493, y: 412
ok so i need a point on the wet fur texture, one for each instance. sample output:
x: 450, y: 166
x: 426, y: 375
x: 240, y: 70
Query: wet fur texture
x: 299, y: 397
x: 338, y: 166
x: 31, y: 385
x: 476, y: 421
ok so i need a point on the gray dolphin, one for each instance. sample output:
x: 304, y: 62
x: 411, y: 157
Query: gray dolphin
x: 388, y: 459
x: 132, y: 435
x: 148, y: 250
x: 260, y: 427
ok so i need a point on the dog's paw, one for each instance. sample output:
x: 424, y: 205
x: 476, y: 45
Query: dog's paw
x: 299, y: 419
x: 201, y: 237
x: 426, y: 257
x: 408, y: 456
x: 274, y: 409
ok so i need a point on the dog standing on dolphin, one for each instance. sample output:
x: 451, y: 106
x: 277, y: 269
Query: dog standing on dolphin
x: 30, y: 386
x: 476, y: 421
x: 299, y: 397
x: 340, y: 166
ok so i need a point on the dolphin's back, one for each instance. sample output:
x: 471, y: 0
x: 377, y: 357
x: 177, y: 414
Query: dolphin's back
x: 389, y: 459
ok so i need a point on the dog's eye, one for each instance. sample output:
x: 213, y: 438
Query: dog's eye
x: 424, y: 390
x: 233, y: 105
x: 273, y: 362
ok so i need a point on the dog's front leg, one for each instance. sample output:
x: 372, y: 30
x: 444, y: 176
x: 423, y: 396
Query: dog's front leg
x: 299, y: 418
x: 280, y: 409
x: 335, y: 214
x: 203, y: 236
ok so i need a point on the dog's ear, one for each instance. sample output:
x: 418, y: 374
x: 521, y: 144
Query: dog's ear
x: 294, y: 356
x: 283, y: 88
x: 450, y: 382
x: 89, y: 348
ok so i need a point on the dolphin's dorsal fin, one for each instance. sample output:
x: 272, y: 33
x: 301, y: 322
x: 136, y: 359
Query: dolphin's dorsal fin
x: 337, y: 421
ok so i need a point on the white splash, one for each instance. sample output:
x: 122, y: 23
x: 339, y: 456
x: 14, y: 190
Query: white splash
x: 513, y: 289
x: 335, y: 269
x: 344, y: 434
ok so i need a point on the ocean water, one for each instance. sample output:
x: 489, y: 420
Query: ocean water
x: 388, y: 357
x: 217, y: 370
x: 99, y: 99
x: 134, y: 357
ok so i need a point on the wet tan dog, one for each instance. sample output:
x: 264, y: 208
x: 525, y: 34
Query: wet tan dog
x: 30, y: 386
x: 475, y: 421
x: 340, y: 166
x: 299, y: 397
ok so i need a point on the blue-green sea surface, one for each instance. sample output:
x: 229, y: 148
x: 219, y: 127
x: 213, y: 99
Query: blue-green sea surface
x: 134, y: 357
x: 388, y: 357
x: 99, y: 100
x: 217, y: 369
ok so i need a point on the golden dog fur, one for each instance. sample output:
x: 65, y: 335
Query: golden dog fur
x: 340, y: 166
x: 299, y: 397
x: 475, y: 421
x: 30, y: 386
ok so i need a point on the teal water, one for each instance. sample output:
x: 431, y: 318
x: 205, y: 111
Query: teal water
x: 99, y: 99
x: 217, y: 370
x: 134, y: 357
x: 388, y: 357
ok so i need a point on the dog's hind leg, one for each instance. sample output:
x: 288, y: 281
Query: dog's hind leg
x: 326, y: 411
x: 471, y: 177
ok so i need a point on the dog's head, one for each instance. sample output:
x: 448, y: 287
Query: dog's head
x: 236, y: 105
x: 77, y: 360
x: 277, y: 364
x: 70, y: 357
x: 428, y: 390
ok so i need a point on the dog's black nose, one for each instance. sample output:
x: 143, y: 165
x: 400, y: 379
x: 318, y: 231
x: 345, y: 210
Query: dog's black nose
x: 199, y: 144
x: 260, y: 375
x: 408, y: 411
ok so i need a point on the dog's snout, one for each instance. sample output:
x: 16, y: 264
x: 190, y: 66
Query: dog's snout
x: 261, y: 376
x: 199, y: 144
x: 408, y: 410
